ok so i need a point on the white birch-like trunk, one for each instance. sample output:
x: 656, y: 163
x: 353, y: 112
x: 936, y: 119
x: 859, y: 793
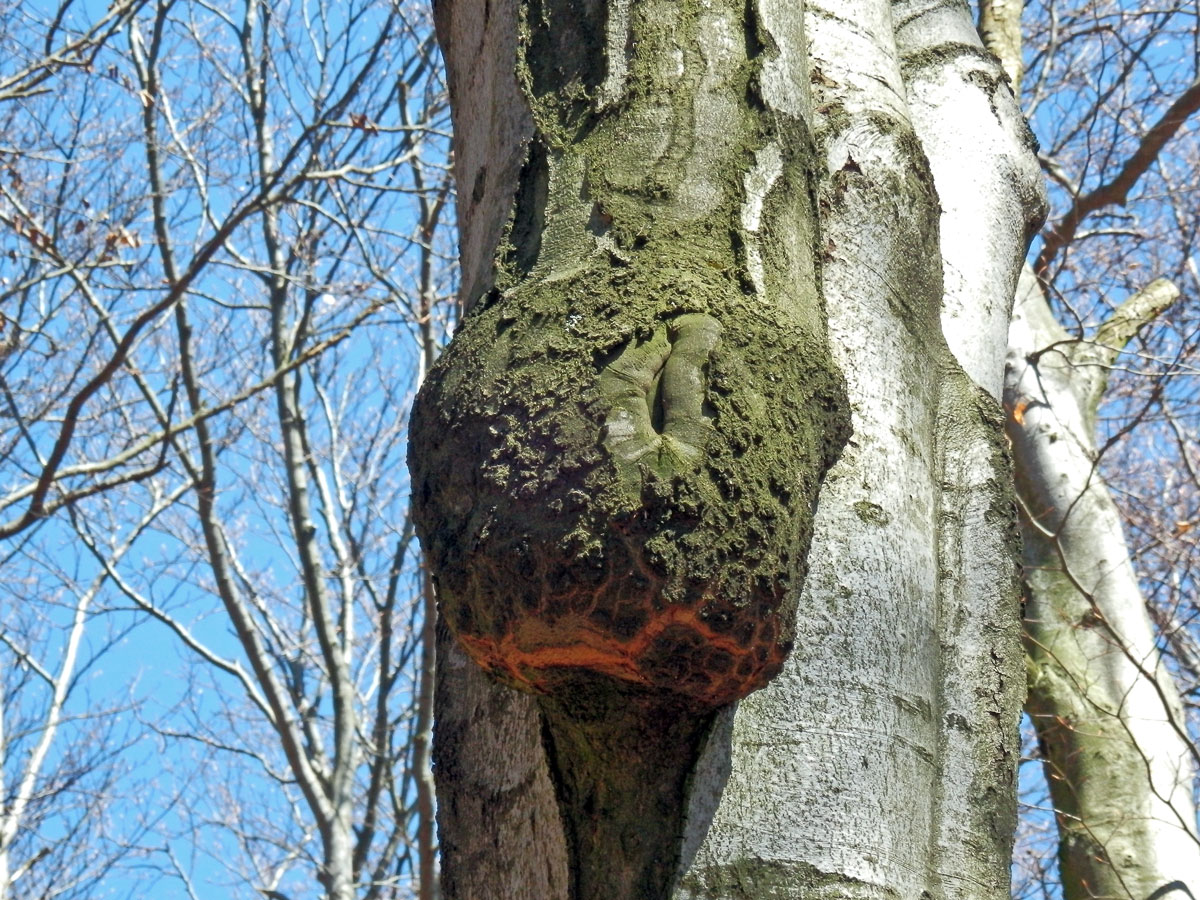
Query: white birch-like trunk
x: 1109, y: 719
x: 881, y: 762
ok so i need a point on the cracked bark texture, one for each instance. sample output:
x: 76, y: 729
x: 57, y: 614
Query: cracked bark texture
x: 1108, y: 715
x: 880, y: 761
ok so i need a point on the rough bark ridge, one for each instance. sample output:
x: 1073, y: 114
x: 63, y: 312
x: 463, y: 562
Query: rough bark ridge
x: 662, y: 194
x: 992, y: 197
x: 1108, y: 716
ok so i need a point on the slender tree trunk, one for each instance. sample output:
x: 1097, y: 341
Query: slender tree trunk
x: 1000, y: 26
x: 880, y: 761
x: 1109, y: 719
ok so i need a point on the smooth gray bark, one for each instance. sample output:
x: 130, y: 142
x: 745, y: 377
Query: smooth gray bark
x: 1118, y: 761
x: 897, y: 710
x: 880, y: 763
x: 1110, y: 723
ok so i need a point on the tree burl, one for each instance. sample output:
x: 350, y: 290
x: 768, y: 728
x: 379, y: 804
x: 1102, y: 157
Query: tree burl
x: 622, y: 480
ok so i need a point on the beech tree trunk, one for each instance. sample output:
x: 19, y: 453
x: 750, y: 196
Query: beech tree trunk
x: 1117, y: 757
x: 714, y: 182
x: 1109, y: 718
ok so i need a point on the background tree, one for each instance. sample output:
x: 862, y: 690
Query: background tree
x: 70, y: 814
x: 223, y: 270
x: 58, y: 767
x: 1111, y: 88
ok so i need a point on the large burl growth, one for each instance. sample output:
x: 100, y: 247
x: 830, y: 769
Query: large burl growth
x: 616, y: 461
x: 623, y: 486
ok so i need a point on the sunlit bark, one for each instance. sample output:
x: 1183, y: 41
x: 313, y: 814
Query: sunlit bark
x: 880, y: 761
x: 1117, y: 755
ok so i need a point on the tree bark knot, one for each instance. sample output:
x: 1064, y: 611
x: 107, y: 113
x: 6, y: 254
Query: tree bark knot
x: 659, y: 415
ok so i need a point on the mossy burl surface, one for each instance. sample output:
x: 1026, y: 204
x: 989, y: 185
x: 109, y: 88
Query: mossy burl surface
x: 542, y: 537
x: 670, y: 560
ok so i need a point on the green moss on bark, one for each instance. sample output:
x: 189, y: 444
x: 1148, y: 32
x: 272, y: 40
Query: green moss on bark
x: 528, y: 510
x: 616, y: 461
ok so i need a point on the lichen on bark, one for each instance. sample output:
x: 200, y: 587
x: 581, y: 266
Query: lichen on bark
x: 616, y: 462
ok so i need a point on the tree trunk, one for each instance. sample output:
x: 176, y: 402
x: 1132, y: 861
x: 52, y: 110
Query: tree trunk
x: 1109, y: 719
x: 737, y: 197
